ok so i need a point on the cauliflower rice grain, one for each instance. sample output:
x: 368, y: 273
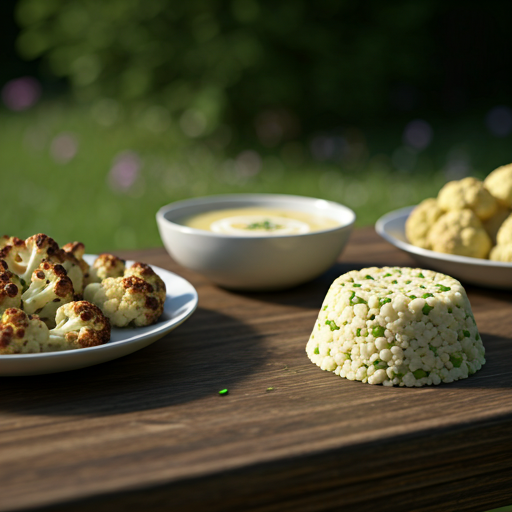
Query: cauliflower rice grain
x: 397, y: 327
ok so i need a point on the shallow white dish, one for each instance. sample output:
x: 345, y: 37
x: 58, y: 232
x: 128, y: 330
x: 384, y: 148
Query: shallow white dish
x: 180, y: 303
x: 257, y: 263
x: 492, y: 274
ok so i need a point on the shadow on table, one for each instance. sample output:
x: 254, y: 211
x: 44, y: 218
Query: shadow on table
x: 307, y: 295
x: 206, y: 354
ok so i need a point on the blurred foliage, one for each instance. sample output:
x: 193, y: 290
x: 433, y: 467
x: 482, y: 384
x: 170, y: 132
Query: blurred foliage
x: 260, y: 65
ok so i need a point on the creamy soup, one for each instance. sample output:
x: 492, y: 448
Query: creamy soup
x: 259, y: 221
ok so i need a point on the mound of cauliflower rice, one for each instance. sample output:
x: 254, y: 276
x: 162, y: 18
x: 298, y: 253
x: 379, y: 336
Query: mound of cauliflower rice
x: 397, y: 327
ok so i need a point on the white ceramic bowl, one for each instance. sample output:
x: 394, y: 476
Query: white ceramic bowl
x: 492, y: 274
x: 255, y: 263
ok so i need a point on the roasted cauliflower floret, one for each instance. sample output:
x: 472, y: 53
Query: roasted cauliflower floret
x: 10, y: 288
x: 468, y: 193
x: 49, y: 289
x: 145, y: 272
x: 493, y: 224
x: 126, y: 301
x: 21, y: 333
x: 460, y: 232
x: 77, y: 249
x: 10, y: 240
x: 106, y: 265
x: 501, y: 253
x: 419, y: 222
x: 499, y: 184
x: 23, y: 258
x: 80, y: 324
x: 73, y: 268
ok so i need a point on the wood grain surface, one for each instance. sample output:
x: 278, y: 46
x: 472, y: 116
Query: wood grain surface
x: 149, y: 431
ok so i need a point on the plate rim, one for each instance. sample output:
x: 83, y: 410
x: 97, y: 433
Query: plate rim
x: 170, y: 325
x: 380, y: 228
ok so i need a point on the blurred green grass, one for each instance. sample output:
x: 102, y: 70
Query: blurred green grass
x: 98, y: 175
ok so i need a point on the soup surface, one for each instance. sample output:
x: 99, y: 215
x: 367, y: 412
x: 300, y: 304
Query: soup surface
x: 251, y: 221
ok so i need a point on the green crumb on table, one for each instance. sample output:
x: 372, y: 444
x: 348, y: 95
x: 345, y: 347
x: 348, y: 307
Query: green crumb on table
x: 427, y: 309
x: 427, y: 295
x: 420, y: 374
x: 378, y: 331
x: 223, y: 392
x: 270, y: 389
x: 384, y: 301
x: 443, y: 288
x: 332, y: 325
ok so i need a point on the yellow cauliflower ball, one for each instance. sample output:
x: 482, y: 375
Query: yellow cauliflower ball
x: 504, y: 235
x: 460, y: 232
x: 419, y: 222
x: 499, y: 184
x: 493, y: 224
x: 468, y: 193
x: 501, y: 253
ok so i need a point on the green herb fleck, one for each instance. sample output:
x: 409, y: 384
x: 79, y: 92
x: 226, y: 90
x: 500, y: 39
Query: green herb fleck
x: 466, y: 334
x: 384, y: 301
x: 412, y: 297
x: 443, y: 288
x: 356, y: 285
x: 354, y: 299
x: 387, y: 275
x: 316, y: 351
x: 421, y: 275
x: 427, y: 309
x: 372, y: 317
x: 268, y: 390
x: 332, y: 325
x: 369, y: 277
x: 358, y: 332
x: 456, y: 359
x: 394, y: 281
x: 223, y: 392
x: 267, y: 225
x: 408, y: 282
x: 420, y: 374
x: 378, y: 331
x: 325, y: 307
x: 477, y: 337
x: 427, y: 295
x: 421, y: 286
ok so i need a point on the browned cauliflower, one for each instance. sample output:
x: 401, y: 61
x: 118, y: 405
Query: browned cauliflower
x: 10, y: 288
x: 462, y: 233
x: 499, y: 184
x: 79, y: 324
x: 501, y: 253
x: 24, y: 257
x: 504, y: 235
x: 10, y: 240
x: 106, y: 265
x: 21, y: 333
x: 145, y: 272
x: 126, y: 301
x: 49, y: 289
x: 493, y: 224
x: 77, y: 249
x: 73, y: 268
x: 419, y: 222
x: 468, y: 193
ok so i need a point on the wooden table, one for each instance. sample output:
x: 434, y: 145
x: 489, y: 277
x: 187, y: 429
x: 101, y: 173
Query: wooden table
x: 150, y: 431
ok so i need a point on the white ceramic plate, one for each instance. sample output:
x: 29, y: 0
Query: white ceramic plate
x: 491, y: 274
x: 180, y: 303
